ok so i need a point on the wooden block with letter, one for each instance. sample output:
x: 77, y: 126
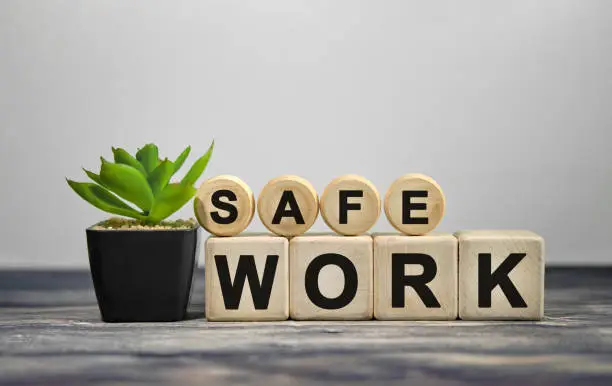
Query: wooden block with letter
x: 350, y: 205
x: 415, y: 204
x: 501, y: 275
x: 288, y: 205
x: 247, y: 278
x: 331, y: 277
x: 415, y: 277
x: 224, y: 205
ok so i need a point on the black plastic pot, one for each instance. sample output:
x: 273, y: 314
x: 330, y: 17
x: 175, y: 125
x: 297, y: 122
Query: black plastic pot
x: 142, y: 275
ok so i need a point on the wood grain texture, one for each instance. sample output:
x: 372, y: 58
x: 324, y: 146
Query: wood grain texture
x: 527, y: 276
x: 305, y: 197
x: 51, y: 334
x: 260, y: 247
x: 442, y: 248
x: 331, y: 280
x: 358, y: 221
x: 244, y: 203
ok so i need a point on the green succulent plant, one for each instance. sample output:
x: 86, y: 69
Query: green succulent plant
x: 144, y: 181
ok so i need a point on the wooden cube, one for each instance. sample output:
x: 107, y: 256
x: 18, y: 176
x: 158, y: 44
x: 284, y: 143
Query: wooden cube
x: 247, y: 278
x: 501, y: 275
x: 415, y: 277
x: 331, y: 277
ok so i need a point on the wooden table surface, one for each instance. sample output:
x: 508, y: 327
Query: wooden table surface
x: 50, y: 334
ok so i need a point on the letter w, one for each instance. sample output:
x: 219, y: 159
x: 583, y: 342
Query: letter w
x: 246, y: 269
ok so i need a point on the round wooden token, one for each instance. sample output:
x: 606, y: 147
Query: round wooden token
x: 414, y: 204
x: 224, y: 205
x: 288, y: 205
x: 350, y: 205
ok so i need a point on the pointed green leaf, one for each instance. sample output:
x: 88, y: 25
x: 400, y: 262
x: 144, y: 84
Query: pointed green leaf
x: 169, y: 200
x: 128, y: 183
x: 93, y: 176
x: 103, y: 199
x: 123, y: 157
x: 198, y: 167
x: 159, y: 177
x: 148, y: 158
x: 180, y: 160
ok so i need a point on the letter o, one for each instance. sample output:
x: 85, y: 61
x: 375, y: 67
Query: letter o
x: 311, y: 281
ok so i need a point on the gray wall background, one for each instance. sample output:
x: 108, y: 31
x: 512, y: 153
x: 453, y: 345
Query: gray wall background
x: 507, y: 104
